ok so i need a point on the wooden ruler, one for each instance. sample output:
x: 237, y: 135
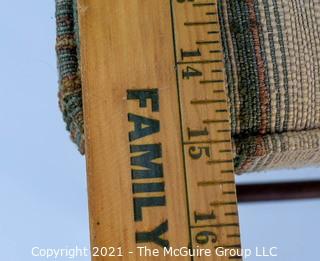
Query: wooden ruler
x: 157, y: 125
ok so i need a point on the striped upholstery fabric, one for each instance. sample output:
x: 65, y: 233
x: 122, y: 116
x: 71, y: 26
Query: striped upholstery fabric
x: 70, y: 95
x: 272, y: 58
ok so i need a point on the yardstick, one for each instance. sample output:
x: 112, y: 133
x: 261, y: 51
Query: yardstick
x: 157, y: 125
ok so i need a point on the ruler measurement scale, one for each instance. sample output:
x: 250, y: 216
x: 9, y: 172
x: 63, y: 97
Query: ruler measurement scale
x: 200, y: 73
x: 153, y: 79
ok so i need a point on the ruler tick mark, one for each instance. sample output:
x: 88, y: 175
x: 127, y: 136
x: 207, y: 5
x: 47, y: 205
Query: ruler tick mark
x: 233, y: 235
x: 207, y: 42
x: 226, y: 171
x: 223, y: 203
x: 218, y: 91
x: 200, y: 23
x: 218, y: 225
x: 221, y: 110
x: 225, y: 151
x: 206, y: 142
x: 211, y: 13
x: 211, y: 81
x: 231, y: 214
x: 213, y: 32
x: 217, y: 71
x: 215, y: 121
x: 203, y: 4
x: 215, y: 51
x: 229, y: 193
x: 200, y: 62
x: 207, y: 101
x: 214, y: 183
x: 230, y: 246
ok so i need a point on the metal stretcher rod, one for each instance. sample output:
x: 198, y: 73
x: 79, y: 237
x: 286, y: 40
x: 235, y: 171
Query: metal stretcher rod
x: 278, y: 191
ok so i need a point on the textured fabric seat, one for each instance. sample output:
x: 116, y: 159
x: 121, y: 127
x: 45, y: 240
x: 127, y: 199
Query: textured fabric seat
x: 272, y: 64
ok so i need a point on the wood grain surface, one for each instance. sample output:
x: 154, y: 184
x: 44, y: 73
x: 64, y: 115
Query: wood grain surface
x: 157, y: 127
